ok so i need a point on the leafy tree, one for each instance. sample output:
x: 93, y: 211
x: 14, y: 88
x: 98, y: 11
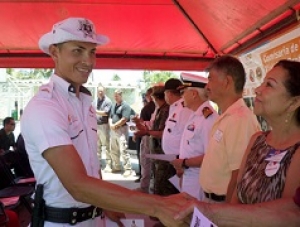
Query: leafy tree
x: 116, y: 77
x: 9, y: 71
x: 29, y: 74
x: 153, y: 77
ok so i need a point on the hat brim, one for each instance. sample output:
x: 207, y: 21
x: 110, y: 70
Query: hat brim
x: 48, y: 39
x: 182, y: 87
x: 192, y: 84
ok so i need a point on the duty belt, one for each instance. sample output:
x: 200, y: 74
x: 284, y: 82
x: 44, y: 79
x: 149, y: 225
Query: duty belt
x: 71, y: 215
x: 213, y: 196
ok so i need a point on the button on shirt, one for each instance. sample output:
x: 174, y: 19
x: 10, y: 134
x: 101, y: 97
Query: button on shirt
x: 55, y: 117
x: 194, y: 142
x: 178, y: 114
x: 228, y: 142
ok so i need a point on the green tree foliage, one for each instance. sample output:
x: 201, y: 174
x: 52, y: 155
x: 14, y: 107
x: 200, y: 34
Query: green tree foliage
x: 29, y: 73
x: 154, y: 77
x: 116, y: 77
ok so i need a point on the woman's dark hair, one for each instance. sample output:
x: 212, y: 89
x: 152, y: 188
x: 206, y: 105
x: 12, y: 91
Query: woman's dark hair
x: 292, y: 82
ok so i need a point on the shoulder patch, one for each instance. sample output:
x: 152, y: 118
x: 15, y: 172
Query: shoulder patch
x: 207, y: 112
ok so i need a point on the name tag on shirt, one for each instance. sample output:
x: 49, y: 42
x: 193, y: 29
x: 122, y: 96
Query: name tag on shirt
x: 218, y: 135
x: 276, y: 157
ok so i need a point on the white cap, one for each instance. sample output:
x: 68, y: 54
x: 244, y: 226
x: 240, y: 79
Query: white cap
x: 192, y: 80
x: 72, y: 29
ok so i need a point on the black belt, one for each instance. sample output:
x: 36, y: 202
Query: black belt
x: 213, y: 196
x: 71, y: 215
x: 104, y: 123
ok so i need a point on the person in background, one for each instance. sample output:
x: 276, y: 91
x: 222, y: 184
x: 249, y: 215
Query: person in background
x: 137, y: 141
x: 196, y: 134
x: 178, y: 114
x: 7, y: 137
x: 145, y: 118
x: 22, y: 157
x: 269, y: 173
x: 62, y: 149
x: 230, y: 133
x: 162, y: 170
x: 103, y: 108
x: 120, y: 114
x: 172, y: 133
x: 161, y: 186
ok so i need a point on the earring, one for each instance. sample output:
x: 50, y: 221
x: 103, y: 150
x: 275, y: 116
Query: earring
x: 287, y: 118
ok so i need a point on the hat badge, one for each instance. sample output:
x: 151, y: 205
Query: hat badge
x: 87, y: 28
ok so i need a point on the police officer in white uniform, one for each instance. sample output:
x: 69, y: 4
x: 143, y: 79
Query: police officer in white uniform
x: 196, y: 132
x: 178, y: 114
x: 60, y: 132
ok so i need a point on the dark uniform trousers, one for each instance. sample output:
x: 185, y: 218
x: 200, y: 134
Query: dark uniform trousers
x: 163, y: 170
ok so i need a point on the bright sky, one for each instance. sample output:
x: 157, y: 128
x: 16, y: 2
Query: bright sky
x: 107, y: 75
x: 125, y: 75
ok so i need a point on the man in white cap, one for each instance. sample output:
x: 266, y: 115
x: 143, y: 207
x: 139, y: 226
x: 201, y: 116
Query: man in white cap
x: 60, y: 132
x: 231, y: 132
x: 195, y: 136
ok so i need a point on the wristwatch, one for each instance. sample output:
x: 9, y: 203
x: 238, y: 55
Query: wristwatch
x: 184, y: 165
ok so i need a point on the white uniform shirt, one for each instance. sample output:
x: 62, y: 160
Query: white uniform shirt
x: 194, y: 142
x: 178, y: 114
x: 54, y: 117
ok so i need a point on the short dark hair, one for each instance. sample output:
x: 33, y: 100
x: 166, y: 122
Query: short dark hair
x: 7, y: 120
x: 159, y: 92
x: 232, y: 67
x: 149, y: 91
x: 292, y: 82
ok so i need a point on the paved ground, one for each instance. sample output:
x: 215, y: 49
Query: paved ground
x: 114, y: 178
x: 129, y: 183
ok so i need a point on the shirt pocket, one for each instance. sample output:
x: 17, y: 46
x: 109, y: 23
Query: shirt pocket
x: 171, y: 123
x: 92, y: 128
x: 75, y: 130
x: 189, y: 133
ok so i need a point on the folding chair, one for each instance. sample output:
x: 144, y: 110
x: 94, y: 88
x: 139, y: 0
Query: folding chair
x: 10, y: 163
x: 10, y: 191
x: 3, y: 216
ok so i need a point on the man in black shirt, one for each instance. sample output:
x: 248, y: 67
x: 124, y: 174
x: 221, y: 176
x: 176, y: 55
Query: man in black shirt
x: 103, y: 109
x: 145, y: 162
x: 7, y: 137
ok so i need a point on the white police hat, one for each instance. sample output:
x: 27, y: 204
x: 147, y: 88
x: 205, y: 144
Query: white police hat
x: 192, y: 80
x: 72, y: 29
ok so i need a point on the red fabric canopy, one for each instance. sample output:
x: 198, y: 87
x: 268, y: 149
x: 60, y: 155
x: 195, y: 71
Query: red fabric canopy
x: 145, y: 34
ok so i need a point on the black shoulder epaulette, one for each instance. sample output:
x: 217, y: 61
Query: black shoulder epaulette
x: 206, y: 112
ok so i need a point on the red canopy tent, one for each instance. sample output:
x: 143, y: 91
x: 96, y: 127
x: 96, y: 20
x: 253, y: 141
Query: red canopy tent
x: 146, y: 34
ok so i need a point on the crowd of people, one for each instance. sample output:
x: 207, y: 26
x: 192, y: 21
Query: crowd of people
x: 234, y: 173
